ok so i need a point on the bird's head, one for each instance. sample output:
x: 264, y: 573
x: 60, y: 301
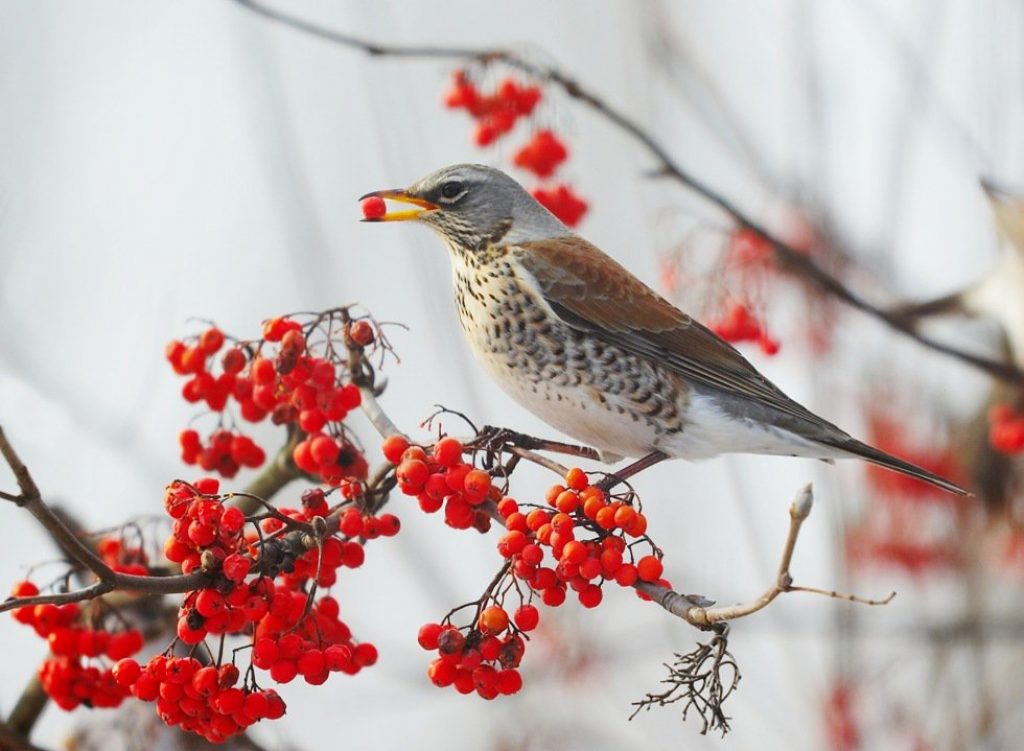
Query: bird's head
x: 472, y: 206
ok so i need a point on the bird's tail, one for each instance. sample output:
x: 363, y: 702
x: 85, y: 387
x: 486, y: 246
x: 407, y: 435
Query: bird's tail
x: 882, y: 459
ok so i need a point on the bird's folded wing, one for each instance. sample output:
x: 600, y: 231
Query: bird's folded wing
x: 591, y: 292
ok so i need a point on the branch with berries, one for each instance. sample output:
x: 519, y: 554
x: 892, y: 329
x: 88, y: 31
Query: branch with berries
x: 255, y: 576
x: 496, y: 114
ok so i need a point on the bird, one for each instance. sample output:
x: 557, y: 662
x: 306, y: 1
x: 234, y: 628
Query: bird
x: 576, y: 339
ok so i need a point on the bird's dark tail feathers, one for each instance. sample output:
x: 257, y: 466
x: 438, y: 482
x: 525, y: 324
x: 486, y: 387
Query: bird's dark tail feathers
x: 882, y: 459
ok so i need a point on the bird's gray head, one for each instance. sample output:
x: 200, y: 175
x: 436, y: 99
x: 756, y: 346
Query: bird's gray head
x: 473, y: 206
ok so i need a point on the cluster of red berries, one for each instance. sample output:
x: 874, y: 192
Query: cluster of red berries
x: 286, y: 383
x: 747, y: 248
x: 562, y: 201
x: 485, y: 659
x: 264, y: 589
x: 226, y: 452
x: 740, y: 325
x: 201, y: 699
x: 122, y: 558
x: 330, y: 458
x: 542, y: 154
x: 327, y: 647
x: 66, y: 675
x: 203, y: 525
x: 297, y: 637
x: 496, y: 114
x: 443, y: 479
x: 578, y: 508
x: 320, y: 564
x: 1006, y: 429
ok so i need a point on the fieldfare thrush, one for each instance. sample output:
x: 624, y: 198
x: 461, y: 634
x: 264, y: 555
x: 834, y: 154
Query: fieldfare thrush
x: 579, y: 341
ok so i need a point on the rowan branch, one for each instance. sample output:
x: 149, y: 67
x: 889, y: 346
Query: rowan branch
x: 12, y: 740
x: 705, y: 617
x: 792, y: 260
x: 108, y: 580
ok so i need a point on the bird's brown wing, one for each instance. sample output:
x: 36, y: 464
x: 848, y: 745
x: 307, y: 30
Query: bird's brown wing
x: 591, y: 292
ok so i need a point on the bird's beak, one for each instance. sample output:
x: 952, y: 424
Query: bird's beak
x: 402, y: 196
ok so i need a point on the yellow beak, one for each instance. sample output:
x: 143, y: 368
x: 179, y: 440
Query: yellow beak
x: 401, y: 196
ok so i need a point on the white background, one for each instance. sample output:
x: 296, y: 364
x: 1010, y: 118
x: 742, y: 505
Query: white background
x: 163, y: 160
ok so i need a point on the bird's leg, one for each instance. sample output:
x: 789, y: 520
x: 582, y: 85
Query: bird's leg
x: 614, y: 478
x: 492, y: 437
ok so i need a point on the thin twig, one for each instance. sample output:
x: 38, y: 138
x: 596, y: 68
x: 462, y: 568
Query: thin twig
x: 686, y: 608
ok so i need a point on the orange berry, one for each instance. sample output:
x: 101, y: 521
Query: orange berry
x: 625, y: 516
x: 476, y: 486
x: 575, y: 552
x: 592, y: 505
x: 639, y: 526
x: 567, y: 501
x: 394, y: 446
x: 507, y: 507
x: 605, y: 517
x: 553, y: 492
x: 415, y: 452
x: 447, y: 451
x: 576, y: 478
x: 494, y: 619
x: 562, y: 523
x: 649, y: 568
x: 626, y: 575
x: 543, y: 534
x: 590, y: 596
x: 537, y: 518
x: 413, y: 473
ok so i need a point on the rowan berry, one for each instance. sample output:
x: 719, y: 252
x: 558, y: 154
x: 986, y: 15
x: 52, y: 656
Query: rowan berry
x: 373, y: 207
x: 526, y: 617
x: 532, y: 554
x: 126, y: 671
x: 590, y: 596
x: 649, y: 568
x: 507, y: 507
x: 574, y: 552
x: 477, y: 484
x: 441, y: 673
x: 576, y: 479
x: 284, y: 671
x: 428, y: 636
x: 447, y: 451
x: 553, y: 596
x: 365, y: 654
x: 324, y: 449
x: 626, y: 575
x: 211, y: 340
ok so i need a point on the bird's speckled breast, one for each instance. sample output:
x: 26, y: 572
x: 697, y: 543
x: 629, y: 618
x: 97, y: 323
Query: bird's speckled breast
x: 591, y: 391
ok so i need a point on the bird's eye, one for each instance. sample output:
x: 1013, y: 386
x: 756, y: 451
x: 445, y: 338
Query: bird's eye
x: 451, y: 189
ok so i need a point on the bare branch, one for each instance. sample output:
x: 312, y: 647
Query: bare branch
x: 12, y: 740
x: 30, y: 705
x: 703, y: 617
